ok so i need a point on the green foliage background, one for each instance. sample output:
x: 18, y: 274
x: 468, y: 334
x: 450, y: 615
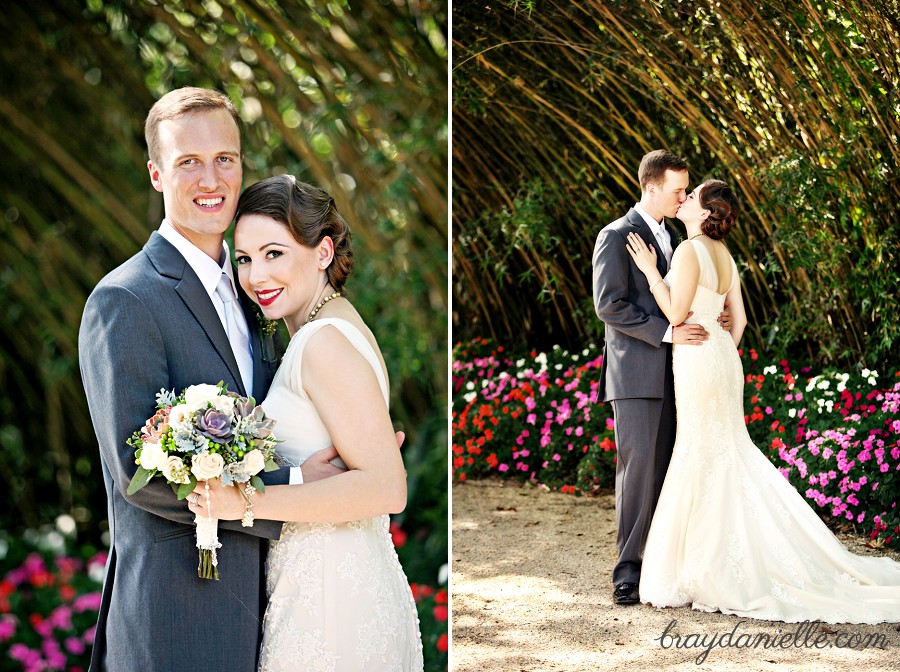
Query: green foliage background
x: 352, y: 98
x: 796, y: 104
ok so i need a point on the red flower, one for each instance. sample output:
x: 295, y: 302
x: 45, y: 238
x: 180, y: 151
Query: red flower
x: 442, y: 643
x: 398, y: 536
x: 440, y: 597
x: 440, y: 613
x: 420, y: 591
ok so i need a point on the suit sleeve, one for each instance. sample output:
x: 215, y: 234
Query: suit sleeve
x: 611, y: 272
x: 123, y: 363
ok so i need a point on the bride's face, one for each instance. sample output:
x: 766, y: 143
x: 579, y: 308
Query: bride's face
x: 691, y: 212
x: 284, y: 277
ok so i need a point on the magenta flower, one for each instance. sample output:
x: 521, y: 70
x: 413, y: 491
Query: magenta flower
x: 75, y: 646
x: 7, y: 627
x: 89, y: 602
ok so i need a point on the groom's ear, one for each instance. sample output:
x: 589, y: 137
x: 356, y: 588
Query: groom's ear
x: 154, y: 176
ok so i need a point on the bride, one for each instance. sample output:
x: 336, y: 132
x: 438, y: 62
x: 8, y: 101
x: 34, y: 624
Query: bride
x: 338, y: 598
x: 730, y: 533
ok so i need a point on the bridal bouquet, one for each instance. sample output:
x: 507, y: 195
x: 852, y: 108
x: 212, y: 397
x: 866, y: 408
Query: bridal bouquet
x: 205, y: 432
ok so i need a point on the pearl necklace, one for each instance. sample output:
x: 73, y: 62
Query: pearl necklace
x: 320, y: 304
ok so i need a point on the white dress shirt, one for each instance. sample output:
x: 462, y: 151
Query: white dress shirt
x: 209, y: 272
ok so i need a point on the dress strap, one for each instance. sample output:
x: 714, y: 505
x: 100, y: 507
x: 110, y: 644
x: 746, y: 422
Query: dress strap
x: 352, y: 333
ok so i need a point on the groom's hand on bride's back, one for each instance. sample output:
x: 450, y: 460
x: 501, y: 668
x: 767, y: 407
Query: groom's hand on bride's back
x: 725, y: 317
x: 689, y: 334
x: 318, y: 465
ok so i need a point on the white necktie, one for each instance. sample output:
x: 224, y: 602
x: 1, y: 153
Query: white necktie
x: 236, y: 328
x: 664, y: 244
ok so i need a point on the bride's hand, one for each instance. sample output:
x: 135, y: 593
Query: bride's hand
x: 225, y: 503
x: 644, y: 257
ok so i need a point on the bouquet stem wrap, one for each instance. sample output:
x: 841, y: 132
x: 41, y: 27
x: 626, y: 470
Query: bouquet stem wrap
x: 207, y: 543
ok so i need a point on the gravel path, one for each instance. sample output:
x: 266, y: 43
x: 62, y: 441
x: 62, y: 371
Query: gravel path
x: 531, y: 592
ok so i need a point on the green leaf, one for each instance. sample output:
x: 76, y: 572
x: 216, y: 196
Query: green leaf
x: 257, y: 483
x: 140, y: 479
x: 271, y: 466
x: 186, y: 488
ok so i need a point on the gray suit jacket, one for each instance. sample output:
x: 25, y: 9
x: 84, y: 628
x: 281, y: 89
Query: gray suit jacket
x: 148, y: 325
x: 634, y: 355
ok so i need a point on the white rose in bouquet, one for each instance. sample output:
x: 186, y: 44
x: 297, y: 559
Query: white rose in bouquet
x: 175, y: 470
x: 254, y: 462
x: 180, y: 417
x: 224, y: 403
x: 152, y: 456
x: 207, y: 465
x: 198, y: 396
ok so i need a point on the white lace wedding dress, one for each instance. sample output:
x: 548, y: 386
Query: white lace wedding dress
x: 730, y: 533
x: 338, y: 597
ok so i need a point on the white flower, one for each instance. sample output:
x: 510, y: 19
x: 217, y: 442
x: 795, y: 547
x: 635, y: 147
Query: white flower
x: 65, y: 524
x: 224, y: 404
x: 180, y: 417
x: 865, y: 373
x: 769, y: 370
x: 254, y: 462
x: 152, y: 456
x: 207, y: 465
x: 198, y: 396
x: 792, y: 413
x: 823, y: 385
x: 470, y: 397
x: 175, y: 470
x: 470, y: 385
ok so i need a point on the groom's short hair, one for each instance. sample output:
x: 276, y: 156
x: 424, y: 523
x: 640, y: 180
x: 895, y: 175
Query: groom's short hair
x: 180, y: 102
x: 655, y: 164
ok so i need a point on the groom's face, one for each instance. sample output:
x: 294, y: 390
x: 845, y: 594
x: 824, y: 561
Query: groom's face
x: 199, y: 174
x: 671, y: 193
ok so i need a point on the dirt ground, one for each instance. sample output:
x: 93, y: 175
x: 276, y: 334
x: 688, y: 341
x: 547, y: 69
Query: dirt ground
x: 531, y: 592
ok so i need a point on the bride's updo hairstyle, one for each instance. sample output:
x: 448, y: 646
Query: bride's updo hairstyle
x: 309, y: 214
x: 717, y: 197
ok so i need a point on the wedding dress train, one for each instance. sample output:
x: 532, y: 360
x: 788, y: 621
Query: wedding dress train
x: 730, y: 533
x: 338, y: 597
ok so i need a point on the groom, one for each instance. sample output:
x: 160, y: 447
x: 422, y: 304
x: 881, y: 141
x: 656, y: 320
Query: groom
x: 171, y: 317
x: 636, y: 377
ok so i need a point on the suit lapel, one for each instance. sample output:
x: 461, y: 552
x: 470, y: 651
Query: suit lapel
x: 643, y: 230
x: 169, y: 262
